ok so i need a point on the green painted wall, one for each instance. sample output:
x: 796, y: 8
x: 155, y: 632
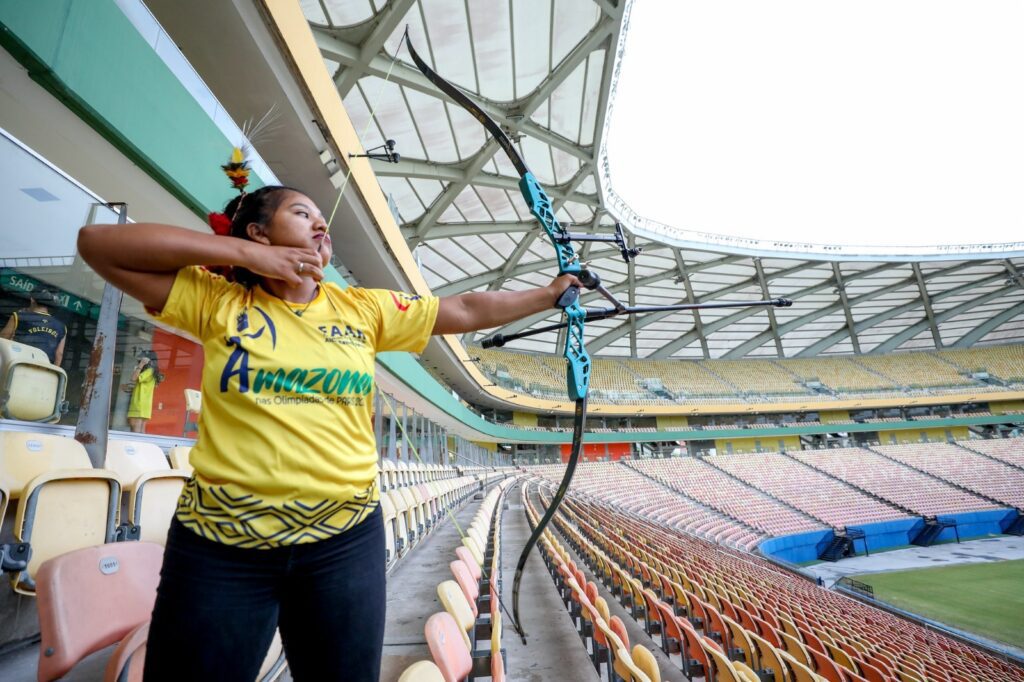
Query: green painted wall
x: 87, y: 54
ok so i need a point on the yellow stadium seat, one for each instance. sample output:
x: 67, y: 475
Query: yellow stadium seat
x: 31, y: 388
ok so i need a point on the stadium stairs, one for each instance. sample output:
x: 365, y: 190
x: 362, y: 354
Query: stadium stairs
x: 841, y: 545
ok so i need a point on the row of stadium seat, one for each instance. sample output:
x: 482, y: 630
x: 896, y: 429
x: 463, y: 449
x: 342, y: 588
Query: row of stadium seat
x: 625, y: 488
x: 472, y: 605
x: 738, y: 500
x: 413, y: 510
x: 628, y: 380
x: 964, y: 468
x: 713, y: 488
x: 912, y: 490
x: 64, y: 504
x: 604, y: 635
x: 398, y: 473
x: 755, y: 613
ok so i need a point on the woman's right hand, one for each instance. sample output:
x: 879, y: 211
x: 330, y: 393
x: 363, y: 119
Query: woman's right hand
x: 286, y: 263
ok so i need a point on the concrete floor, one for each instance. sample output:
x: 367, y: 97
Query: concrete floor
x: 1002, y: 548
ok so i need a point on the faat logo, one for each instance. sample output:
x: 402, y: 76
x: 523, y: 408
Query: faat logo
x: 403, y: 301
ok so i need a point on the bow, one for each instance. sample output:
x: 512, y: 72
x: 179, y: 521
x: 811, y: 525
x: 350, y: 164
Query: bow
x: 577, y: 359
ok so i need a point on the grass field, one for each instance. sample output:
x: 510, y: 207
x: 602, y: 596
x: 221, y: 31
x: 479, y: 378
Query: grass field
x: 986, y: 599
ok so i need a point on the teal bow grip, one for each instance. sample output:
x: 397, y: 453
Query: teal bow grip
x: 540, y: 206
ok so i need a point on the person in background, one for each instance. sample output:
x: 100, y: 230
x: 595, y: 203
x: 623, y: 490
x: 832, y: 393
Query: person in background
x: 145, y: 376
x: 35, y: 326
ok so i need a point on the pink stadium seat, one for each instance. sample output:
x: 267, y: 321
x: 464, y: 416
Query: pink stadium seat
x: 448, y: 647
x: 129, y: 658
x: 91, y: 598
x: 467, y: 557
x: 469, y: 586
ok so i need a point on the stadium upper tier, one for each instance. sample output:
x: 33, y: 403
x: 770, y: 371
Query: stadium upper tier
x: 646, y: 382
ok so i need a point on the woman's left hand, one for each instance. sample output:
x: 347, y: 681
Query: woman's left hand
x: 560, y: 284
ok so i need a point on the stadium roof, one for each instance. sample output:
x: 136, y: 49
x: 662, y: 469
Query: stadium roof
x: 545, y: 70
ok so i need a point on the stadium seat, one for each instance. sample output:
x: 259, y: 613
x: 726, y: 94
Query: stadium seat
x: 153, y: 501
x: 646, y: 662
x: 470, y: 587
x: 129, y: 657
x: 388, y: 511
x: 467, y: 558
x: 455, y: 603
x: 62, y: 511
x: 179, y: 458
x: 91, y: 598
x: 193, y: 408
x: 422, y: 671
x: 131, y: 459
x: 31, y: 388
x: 448, y: 649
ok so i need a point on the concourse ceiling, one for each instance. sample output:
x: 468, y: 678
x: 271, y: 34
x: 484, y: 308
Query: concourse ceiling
x: 545, y: 70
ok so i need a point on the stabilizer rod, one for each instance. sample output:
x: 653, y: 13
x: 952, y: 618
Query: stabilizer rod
x: 499, y: 340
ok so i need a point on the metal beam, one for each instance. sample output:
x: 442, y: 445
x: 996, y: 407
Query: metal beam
x: 667, y: 350
x: 936, y: 337
x: 536, y: 98
x: 471, y: 229
x: 671, y: 347
x: 459, y: 173
x: 844, y: 299
x: 698, y: 323
x: 453, y: 190
x: 609, y: 8
x: 897, y: 340
x: 836, y: 337
x: 979, y: 332
x: 772, y: 324
x: 387, y: 20
x: 406, y: 76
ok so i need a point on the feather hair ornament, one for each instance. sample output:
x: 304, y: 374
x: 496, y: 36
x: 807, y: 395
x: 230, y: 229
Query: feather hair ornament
x: 238, y: 167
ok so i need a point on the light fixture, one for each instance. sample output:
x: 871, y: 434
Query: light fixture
x: 388, y: 154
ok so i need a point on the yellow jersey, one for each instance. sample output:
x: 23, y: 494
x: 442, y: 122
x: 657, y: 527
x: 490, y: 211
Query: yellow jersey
x: 286, y: 452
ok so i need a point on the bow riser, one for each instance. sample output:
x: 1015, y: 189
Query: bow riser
x: 577, y: 359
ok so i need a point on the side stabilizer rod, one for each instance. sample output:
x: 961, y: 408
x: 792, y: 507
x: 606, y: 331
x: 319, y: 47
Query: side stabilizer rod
x: 593, y: 314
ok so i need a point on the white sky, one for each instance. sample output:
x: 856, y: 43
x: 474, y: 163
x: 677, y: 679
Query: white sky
x: 869, y: 122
